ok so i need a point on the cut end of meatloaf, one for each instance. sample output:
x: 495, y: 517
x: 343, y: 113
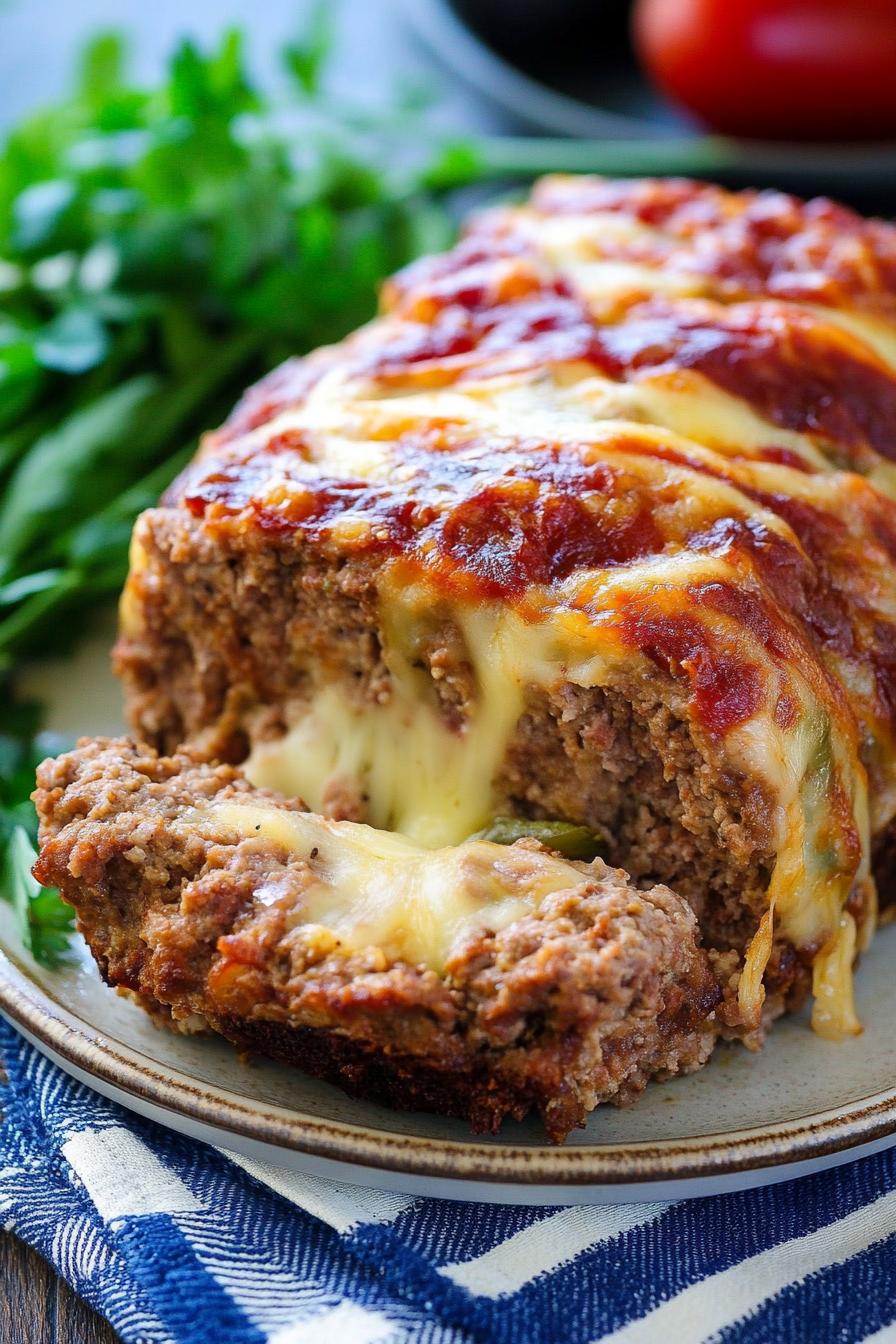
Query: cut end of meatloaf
x: 284, y: 656
x: 477, y: 981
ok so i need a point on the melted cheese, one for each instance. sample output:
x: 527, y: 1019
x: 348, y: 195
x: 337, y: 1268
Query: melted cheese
x: 833, y: 1013
x: 750, y: 990
x: 417, y: 776
x: 686, y: 402
x: 607, y: 285
x: 378, y: 889
x: 432, y: 784
x: 874, y: 332
x: 130, y: 612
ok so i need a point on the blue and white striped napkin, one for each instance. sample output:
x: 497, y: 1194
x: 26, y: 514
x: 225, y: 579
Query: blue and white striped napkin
x: 178, y: 1243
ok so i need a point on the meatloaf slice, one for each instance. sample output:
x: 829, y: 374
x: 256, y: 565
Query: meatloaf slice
x: 477, y: 981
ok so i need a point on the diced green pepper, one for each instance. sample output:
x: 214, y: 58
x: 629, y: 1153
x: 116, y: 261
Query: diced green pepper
x: 568, y: 839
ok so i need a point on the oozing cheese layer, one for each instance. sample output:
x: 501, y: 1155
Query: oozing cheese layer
x: 434, y: 783
x: 419, y: 777
x: 375, y: 889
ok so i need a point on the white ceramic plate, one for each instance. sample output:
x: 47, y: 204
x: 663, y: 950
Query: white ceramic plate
x: 800, y: 1105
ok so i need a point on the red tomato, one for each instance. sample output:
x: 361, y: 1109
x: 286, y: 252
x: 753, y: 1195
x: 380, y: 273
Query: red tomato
x: 777, y: 69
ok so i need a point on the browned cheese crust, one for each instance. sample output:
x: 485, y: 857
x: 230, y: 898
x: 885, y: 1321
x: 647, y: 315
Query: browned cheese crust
x: 584, y: 1001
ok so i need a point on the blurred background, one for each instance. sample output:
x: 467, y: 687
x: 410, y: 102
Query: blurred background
x: 375, y: 50
x: 808, y: 87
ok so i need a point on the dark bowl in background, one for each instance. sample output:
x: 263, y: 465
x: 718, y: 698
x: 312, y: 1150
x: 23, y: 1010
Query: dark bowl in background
x: 567, y: 68
x: 522, y: 26
x: 580, y: 50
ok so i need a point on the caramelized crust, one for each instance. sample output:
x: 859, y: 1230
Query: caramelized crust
x: 744, y: 243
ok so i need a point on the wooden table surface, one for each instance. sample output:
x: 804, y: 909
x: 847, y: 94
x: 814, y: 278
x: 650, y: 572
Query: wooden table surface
x: 37, y: 1307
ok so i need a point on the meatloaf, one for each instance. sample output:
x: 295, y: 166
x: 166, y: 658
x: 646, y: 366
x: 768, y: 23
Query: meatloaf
x: 595, y: 524
x: 547, y: 984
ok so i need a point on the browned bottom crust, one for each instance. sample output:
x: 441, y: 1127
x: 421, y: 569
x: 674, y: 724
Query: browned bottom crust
x: 400, y: 1082
x: 480, y: 1088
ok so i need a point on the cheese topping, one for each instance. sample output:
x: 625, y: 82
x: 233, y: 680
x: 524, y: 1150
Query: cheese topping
x: 833, y: 1013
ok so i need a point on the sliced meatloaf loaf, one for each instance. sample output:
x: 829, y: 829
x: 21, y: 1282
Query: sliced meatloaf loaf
x: 594, y: 523
x: 476, y: 981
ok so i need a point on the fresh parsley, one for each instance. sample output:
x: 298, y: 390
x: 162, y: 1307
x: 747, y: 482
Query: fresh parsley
x: 43, y: 919
x: 159, y: 250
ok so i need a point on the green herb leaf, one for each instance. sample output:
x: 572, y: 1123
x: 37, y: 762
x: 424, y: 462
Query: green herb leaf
x: 11, y: 593
x: 73, y: 342
x: 18, y: 886
x: 38, y: 209
x: 63, y: 474
x: 159, y: 250
x: 305, y: 59
x: 43, y: 920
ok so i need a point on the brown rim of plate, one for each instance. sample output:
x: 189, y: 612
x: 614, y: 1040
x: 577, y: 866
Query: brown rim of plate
x: 824, y: 1135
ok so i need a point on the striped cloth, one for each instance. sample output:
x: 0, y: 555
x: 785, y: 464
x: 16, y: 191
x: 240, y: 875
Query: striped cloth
x: 178, y: 1243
